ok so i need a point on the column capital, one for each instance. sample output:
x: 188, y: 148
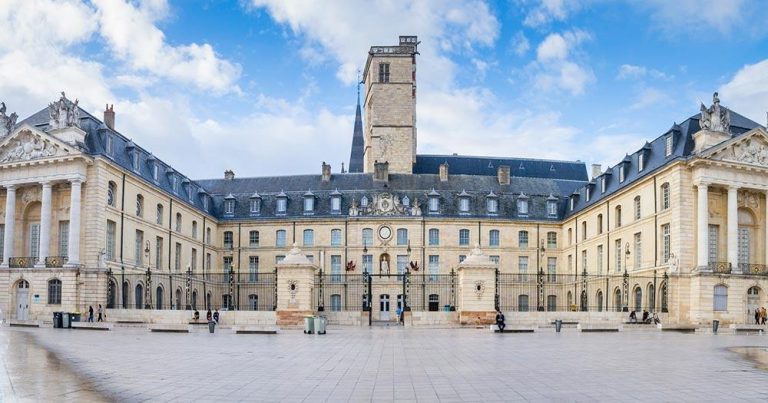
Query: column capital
x: 77, y: 181
x: 46, y: 184
x: 701, y: 183
x: 733, y: 188
x: 10, y: 187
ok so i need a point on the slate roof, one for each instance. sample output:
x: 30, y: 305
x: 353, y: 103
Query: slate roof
x: 486, y: 166
x: 358, y: 143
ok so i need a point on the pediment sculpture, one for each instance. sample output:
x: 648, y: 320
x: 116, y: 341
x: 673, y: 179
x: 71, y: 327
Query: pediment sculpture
x: 27, y: 146
x: 715, y: 118
x: 63, y: 113
x: 387, y: 204
x: 6, y: 122
x: 752, y: 151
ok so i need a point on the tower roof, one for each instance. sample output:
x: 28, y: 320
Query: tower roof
x: 356, y: 154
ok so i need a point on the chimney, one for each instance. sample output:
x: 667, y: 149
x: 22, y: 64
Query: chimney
x: 596, y: 170
x: 229, y: 175
x: 109, y: 116
x: 444, y: 172
x: 502, y: 174
x: 326, y: 172
x: 381, y: 171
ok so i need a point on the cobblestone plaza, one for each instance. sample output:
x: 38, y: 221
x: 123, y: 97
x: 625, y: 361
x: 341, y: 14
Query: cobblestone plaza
x: 379, y: 364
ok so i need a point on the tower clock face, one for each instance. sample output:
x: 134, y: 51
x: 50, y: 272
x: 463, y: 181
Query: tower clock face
x: 385, y: 232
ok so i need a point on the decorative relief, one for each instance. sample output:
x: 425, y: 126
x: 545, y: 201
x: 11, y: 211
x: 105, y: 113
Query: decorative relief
x: 748, y: 199
x: 28, y: 146
x: 384, y: 204
x: 715, y: 118
x: 479, y: 288
x: 32, y: 194
x: 63, y: 113
x: 293, y: 288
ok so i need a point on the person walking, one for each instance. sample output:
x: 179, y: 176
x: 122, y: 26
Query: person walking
x: 500, y: 321
x: 90, y: 313
x: 101, y: 313
x: 208, y: 316
x: 763, y: 315
x: 757, y: 316
x: 216, y: 316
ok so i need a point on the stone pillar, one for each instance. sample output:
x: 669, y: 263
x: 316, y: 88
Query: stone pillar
x: 733, y: 229
x: 74, y: 225
x: 702, y: 226
x: 45, y: 226
x: 10, y: 220
x: 477, y: 285
x: 295, y: 282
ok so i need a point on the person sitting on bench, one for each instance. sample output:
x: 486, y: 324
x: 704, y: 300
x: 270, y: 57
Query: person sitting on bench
x: 500, y: 321
x: 646, y: 318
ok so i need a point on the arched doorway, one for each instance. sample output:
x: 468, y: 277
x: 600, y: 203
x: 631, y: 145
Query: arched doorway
x: 753, y: 302
x: 208, y: 301
x: 651, y: 298
x: 599, y: 301
x: 138, y: 296
x: 125, y: 294
x: 178, y: 298
x: 584, y: 301
x: 194, y: 300
x: 569, y: 300
x: 22, y: 300
x: 159, y: 298
x: 111, y: 297
x: 617, y: 300
x: 638, y: 299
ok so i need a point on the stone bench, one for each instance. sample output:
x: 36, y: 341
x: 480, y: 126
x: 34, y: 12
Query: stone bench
x: 164, y: 328
x: 131, y: 322
x: 92, y: 325
x: 255, y: 330
x: 566, y: 322
x: 751, y: 329
x: 677, y: 328
x: 512, y: 329
x: 23, y: 323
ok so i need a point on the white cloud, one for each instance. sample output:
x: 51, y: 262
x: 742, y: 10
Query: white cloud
x: 630, y: 71
x: 747, y: 92
x: 555, y: 67
x: 550, y: 10
x: 696, y: 16
x: 520, y: 44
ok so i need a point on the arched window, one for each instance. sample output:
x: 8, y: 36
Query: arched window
x: 178, y: 222
x: 280, y: 236
x: 229, y: 240
x: 522, y: 303
x: 434, y: 237
x: 139, y: 296
x: 720, y: 298
x: 665, y: 196
x: 463, y: 237
x: 552, y: 239
x: 194, y: 229
x: 618, y: 216
x: 493, y: 237
x: 599, y: 301
x: 335, y: 302
x: 569, y: 299
x: 159, y: 219
x: 637, y: 208
x: 111, y: 193
x: 159, y: 298
x: 617, y: 300
x: 139, y: 206
x: 54, y: 292
x: 651, y: 297
x: 178, y: 298
x: 638, y: 299
x: 570, y: 236
x: 208, y: 235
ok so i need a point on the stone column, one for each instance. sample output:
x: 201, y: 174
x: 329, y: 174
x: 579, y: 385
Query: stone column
x: 74, y: 225
x: 702, y: 224
x: 45, y: 226
x: 733, y: 229
x: 10, y: 220
x: 477, y: 282
x: 295, y: 282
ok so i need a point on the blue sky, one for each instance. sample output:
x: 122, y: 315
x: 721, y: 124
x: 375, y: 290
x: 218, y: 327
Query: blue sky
x: 267, y: 87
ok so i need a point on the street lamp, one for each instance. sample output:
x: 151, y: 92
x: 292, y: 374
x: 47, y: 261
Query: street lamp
x: 540, y: 277
x: 148, y: 291
x: 626, y: 279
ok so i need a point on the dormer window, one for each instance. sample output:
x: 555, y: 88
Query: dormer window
x: 434, y: 202
x: 136, y: 160
x: 621, y: 173
x: 573, y: 203
x: 255, y: 204
x: 336, y: 202
x: 640, y: 162
x: 492, y: 204
x: 108, y: 145
x: 464, y: 203
x: 229, y: 205
x: 406, y: 201
x: 189, y: 193
x: 589, y: 192
x: 552, y: 208
x: 309, y: 203
x: 602, y: 184
x: 668, y: 144
x: 364, y: 201
x: 522, y: 205
x: 175, y: 184
x: 205, y: 202
x: 155, y: 171
x: 282, y: 204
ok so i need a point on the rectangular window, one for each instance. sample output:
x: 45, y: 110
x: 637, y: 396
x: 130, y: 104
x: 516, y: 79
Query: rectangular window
x: 402, y: 263
x: 522, y: 207
x: 666, y: 243
x: 522, y: 268
x: 229, y: 207
x: 63, y: 238
x: 523, y: 239
x: 279, y: 258
x: 367, y: 237
x: 139, y: 246
x: 282, y: 203
x: 253, y: 239
x: 336, y: 204
x: 367, y: 263
x: 208, y: 262
x: 552, y: 269
x: 668, y: 146
x: 335, y: 267
x: 495, y: 259
x: 493, y: 238
x: 434, y: 267
x: 464, y: 205
x: 552, y: 239
x: 158, y: 252
x: 464, y: 237
x: 227, y: 266
x: 177, y: 260
x: 255, y: 206
x: 309, y: 205
x: 714, y: 243
x: 228, y: 240
x: 34, y: 239
x: 583, y: 260
x: 434, y: 204
x: 640, y: 162
x: 193, y: 260
x: 402, y: 237
x: 111, y: 230
x: 383, y: 72
x: 2, y: 241
x: 136, y: 158
x: 280, y: 238
x: 552, y: 208
x: 618, y: 255
x: 638, y: 251
x: 720, y: 300
x: 253, y: 268
x: 335, y: 237
x: 155, y: 169
x: 108, y: 146
x: 621, y: 173
x: 434, y: 237
x: 602, y: 184
x: 309, y: 237
x: 492, y: 205
x: 599, y: 259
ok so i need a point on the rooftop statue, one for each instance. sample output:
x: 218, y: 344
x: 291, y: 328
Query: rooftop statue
x: 715, y: 118
x: 6, y: 122
x: 63, y: 113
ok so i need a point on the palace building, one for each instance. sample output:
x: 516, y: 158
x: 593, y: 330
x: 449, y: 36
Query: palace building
x: 678, y: 227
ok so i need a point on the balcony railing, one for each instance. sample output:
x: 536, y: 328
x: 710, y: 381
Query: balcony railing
x: 720, y: 267
x: 22, y: 262
x: 755, y: 269
x: 55, y: 261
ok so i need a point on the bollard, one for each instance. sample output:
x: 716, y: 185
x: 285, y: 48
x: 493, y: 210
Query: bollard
x: 715, y: 325
x: 558, y: 325
x: 211, y: 326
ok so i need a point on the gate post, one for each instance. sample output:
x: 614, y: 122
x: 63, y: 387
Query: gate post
x: 476, y: 304
x: 295, y: 281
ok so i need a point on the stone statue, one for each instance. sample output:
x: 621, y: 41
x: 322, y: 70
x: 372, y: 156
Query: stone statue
x: 715, y: 118
x: 63, y: 113
x: 6, y: 122
x: 416, y: 210
x: 353, y: 210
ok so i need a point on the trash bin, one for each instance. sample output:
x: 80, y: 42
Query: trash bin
x: 558, y: 325
x: 447, y: 308
x: 309, y: 324
x: 320, y: 322
x: 57, y: 320
x: 65, y: 320
x: 75, y: 317
x: 715, y: 325
x: 211, y: 326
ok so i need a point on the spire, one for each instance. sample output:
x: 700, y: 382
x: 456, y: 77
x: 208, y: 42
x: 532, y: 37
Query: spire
x: 356, y: 154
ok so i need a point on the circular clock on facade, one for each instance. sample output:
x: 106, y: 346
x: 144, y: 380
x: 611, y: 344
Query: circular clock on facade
x: 385, y: 232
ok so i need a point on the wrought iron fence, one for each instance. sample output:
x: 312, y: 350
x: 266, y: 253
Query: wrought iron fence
x: 583, y: 292
x: 754, y: 269
x: 340, y: 292
x: 720, y: 267
x: 432, y: 292
x: 228, y: 291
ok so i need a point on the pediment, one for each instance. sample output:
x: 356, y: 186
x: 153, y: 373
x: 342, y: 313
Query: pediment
x: 28, y: 143
x: 750, y: 148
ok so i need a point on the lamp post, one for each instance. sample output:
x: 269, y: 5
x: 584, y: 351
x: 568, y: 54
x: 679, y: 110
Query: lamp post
x: 540, y: 278
x: 625, y: 307
x: 188, y: 286
x: 148, y: 291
